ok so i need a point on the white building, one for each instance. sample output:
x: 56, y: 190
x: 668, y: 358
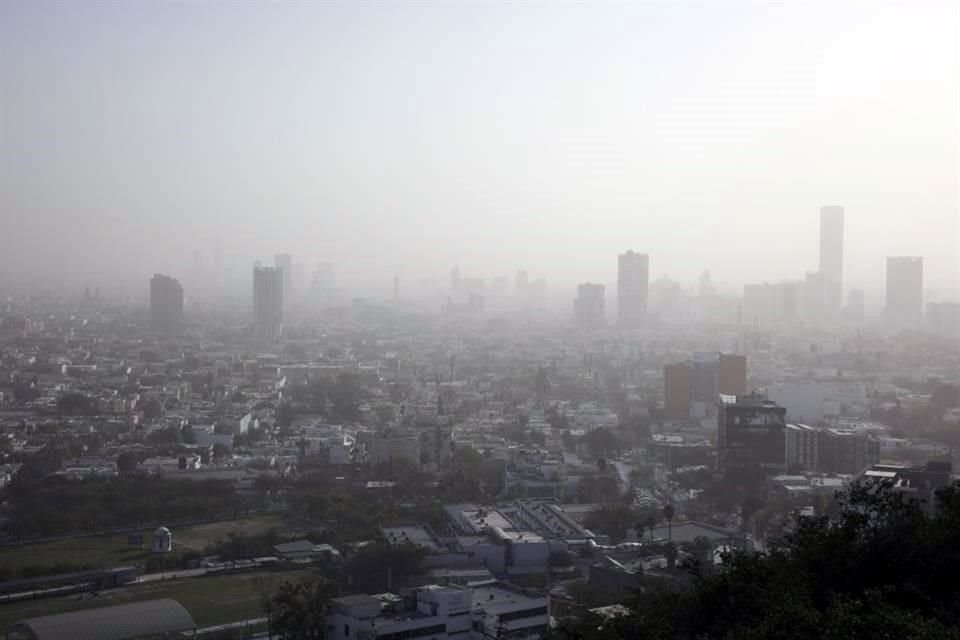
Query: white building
x: 814, y: 402
x: 439, y: 613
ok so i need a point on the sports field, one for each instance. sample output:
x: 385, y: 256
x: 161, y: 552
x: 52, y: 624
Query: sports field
x: 211, y: 600
x: 114, y: 551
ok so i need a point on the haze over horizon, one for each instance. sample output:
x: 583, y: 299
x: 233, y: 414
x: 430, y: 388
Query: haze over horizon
x: 413, y: 137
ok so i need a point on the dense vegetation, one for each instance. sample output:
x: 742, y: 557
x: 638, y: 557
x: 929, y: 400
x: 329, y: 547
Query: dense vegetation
x: 879, y: 569
x: 57, y: 506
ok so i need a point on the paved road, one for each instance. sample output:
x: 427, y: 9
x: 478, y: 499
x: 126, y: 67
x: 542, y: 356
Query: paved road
x: 242, y: 624
x: 172, y: 575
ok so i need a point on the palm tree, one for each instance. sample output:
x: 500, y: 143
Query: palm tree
x: 651, y: 522
x: 668, y: 513
x: 671, y: 552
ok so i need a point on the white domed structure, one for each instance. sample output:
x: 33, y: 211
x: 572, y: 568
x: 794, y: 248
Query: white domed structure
x: 162, y: 540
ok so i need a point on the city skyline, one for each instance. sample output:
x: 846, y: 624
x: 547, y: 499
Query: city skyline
x: 499, y: 320
x: 678, y: 151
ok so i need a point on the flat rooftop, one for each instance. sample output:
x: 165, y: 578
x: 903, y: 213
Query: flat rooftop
x: 414, y: 534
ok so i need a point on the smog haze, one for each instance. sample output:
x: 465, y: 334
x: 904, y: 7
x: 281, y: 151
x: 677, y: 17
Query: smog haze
x: 411, y: 137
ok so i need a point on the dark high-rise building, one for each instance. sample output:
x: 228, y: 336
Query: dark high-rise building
x: 166, y: 304
x: 633, y: 284
x: 267, y: 302
x: 751, y: 438
x: 284, y: 262
x: 589, y: 306
x: 831, y: 258
x: 904, y: 308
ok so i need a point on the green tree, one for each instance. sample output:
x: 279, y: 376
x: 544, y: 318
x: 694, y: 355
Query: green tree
x: 602, y: 442
x: 299, y: 609
x: 152, y: 409
x: 880, y: 568
x: 384, y: 566
x: 611, y: 519
x: 76, y: 404
x: 668, y: 512
x: 127, y: 462
x: 220, y: 452
x: 345, y: 396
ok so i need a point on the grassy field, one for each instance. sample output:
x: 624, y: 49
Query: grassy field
x: 113, y: 551
x: 210, y: 600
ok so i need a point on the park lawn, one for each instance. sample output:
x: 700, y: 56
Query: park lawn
x: 199, y: 536
x: 113, y: 550
x: 94, y: 552
x: 210, y: 600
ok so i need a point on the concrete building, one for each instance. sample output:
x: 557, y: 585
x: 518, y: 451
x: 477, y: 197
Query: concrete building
x: 814, y: 401
x: 633, y: 284
x: 731, y: 374
x: 831, y: 258
x: 439, y: 613
x: 800, y: 441
x: 919, y: 482
x: 760, y: 304
x: 589, y: 306
x: 943, y: 318
x: 503, y: 612
x: 267, y: 302
x: 521, y: 283
x: 856, y: 310
x: 677, y: 390
x: 846, y: 450
x: 692, y: 387
x: 166, y: 304
x: 284, y: 262
x: 548, y: 518
x: 904, y: 306
x: 815, y: 298
x: 751, y: 439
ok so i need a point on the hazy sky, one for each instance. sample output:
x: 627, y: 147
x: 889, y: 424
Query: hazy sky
x: 496, y: 136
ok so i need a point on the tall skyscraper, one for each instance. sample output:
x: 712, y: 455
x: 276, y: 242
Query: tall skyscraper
x: 267, y: 302
x: 904, y: 307
x: 831, y: 258
x: 521, y: 284
x: 456, y: 280
x: 166, y: 304
x: 589, y: 306
x: 633, y: 283
x: 284, y: 261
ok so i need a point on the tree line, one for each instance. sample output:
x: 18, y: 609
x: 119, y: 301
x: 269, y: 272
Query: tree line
x: 879, y: 569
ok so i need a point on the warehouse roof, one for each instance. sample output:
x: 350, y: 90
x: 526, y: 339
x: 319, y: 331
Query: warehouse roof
x: 123, y: 622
